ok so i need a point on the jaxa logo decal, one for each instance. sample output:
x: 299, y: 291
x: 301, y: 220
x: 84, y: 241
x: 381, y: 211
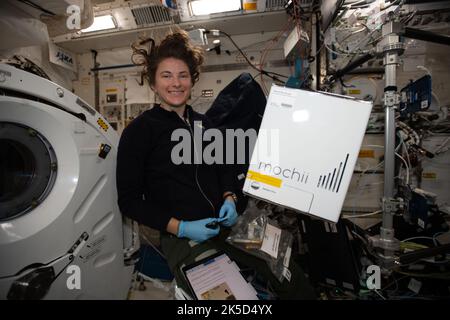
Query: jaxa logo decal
x: 102, y: 124
x: 64, y: 57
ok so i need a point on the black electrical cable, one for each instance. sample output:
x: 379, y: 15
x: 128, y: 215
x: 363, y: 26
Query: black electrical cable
x: 393, y: 3
x: 114, y: 67
x: 34, y: 5
x: 336, y: 14
x: 25, y: 64
x: 352, y: 65
x: 426, y: 36
x: 416, y: 255
x: 22, y: 95
x: 269, y: 74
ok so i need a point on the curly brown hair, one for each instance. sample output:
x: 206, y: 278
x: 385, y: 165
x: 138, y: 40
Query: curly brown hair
x: 175, y: 45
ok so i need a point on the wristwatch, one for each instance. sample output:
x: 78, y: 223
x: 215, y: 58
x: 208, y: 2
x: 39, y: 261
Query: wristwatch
x: 232, y: 194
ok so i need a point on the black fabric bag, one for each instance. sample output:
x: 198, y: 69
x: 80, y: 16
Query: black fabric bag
x: 240, y: 105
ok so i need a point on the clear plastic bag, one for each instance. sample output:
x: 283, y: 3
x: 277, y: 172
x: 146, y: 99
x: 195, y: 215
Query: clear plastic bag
x: 248, y: 232
x: 248, y: 235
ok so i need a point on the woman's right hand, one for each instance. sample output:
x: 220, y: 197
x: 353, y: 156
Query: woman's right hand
x: 197, y: 230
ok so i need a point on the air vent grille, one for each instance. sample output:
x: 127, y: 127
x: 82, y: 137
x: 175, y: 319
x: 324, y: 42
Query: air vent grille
x: 151, y: 15
x: 272, y: 5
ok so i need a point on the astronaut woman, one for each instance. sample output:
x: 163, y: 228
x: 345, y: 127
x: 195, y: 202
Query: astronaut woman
x: 192, y: 204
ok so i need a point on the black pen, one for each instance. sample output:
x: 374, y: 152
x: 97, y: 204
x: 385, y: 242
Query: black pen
x: 214, y: 224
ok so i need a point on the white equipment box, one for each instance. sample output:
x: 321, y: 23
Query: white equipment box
x: 306, y: 150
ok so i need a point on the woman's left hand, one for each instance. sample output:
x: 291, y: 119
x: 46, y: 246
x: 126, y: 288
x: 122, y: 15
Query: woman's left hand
x: 228, y: 213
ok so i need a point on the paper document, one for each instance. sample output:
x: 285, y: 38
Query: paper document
x: 271, y: 240
x: 219, y: 279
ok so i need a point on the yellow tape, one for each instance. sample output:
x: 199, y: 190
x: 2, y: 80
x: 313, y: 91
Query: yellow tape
x: 250, y: 6
x: 366, y: 154
x: 429, y: 175
x: 354, y: 91
x: 263, y: 178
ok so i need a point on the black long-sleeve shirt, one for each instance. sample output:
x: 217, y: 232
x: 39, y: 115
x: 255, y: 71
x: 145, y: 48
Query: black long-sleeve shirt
x: 151, y: 188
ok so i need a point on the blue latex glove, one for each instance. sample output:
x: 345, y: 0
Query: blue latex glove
x: 228, y: 212
x: 197, y: 230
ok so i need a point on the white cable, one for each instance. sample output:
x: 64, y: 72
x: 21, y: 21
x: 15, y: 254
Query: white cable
x: 196, y: 169
x: 437, y: 99
x: 409, y: 131
x: 374, y: 84
x: 361, y: 42
x: 437, y: 234
x: 152, y: 245
x: 406, y: 165
x: 379, y: 146
x: 360, y: 175
x: 351, y: 33
x: 156, y: 282
x: 407, y: 154
x: 356, y: 2
x: 363, y: 215
x: 338, y: 53
x: 413, y: 238
x: 358, y: 181
x: 376, y: 291
x: 441, y: 146
x: 424, y: 69
x: 373, y: 146
x: 371, y: 168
